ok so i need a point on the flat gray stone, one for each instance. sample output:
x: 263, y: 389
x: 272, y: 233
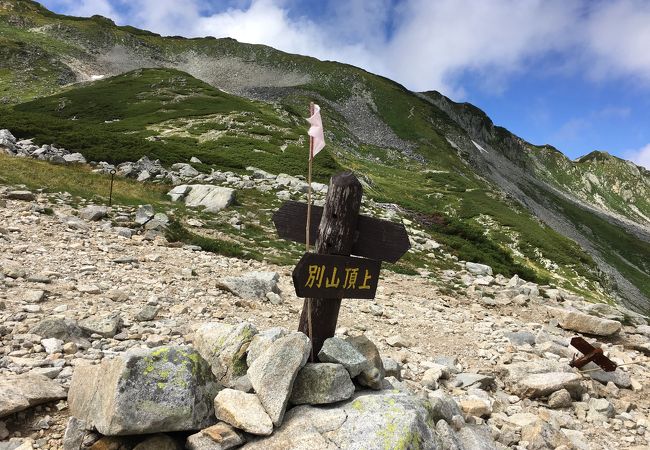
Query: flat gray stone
x: 321, y: 383
x: 339, y: 351
x: 544, y: 384
x: 144, y: 391
x: 93, y: 213
x: 262, y: 340
x: 585, y: 323
x: 20, y: 195
x: 19, y: 392
x: 213, y: 198
x: 252, y: 286
x: 273, y: 373
x: 220, y: 436
x: 105, y: 326
x: 144, y: 214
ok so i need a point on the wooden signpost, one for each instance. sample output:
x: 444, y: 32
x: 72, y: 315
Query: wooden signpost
x: 337, y: 231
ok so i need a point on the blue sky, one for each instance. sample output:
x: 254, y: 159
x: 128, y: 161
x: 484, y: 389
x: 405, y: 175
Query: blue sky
x: 571, y: 73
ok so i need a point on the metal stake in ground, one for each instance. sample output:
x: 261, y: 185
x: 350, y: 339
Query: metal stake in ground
x: 110, y: 194
x: 336, y: 236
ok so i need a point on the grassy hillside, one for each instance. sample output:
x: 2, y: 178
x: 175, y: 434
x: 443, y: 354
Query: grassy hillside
x: 235, y: 105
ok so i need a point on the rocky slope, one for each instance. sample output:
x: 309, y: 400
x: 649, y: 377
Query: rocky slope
x: 491, y: 360
x: 374, y: 126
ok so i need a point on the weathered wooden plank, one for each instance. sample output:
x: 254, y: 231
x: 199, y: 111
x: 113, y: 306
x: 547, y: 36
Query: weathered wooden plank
x: 333, y: 276
x: 374, y: 239
x: 336, y: 233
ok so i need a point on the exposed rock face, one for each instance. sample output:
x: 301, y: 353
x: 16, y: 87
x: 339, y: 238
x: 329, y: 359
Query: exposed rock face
x: 273, y: 373
x: 585, y: 323
x: 224, y: 347
x: 321, y: 383
x: 381, y: 420
x: 19, y: 392
x: 145, y: 391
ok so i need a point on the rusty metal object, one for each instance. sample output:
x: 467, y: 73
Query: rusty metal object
x: 590, y: 353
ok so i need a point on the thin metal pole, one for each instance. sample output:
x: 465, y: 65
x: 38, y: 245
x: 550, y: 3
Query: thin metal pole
x: 110, y: 195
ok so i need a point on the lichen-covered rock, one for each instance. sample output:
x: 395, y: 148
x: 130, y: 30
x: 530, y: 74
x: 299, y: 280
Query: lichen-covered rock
x: 373, y: 376
x: 224, y: 347
x: 385, y: 420
x: 339, y: 351
x: 243, y: 411
x: 273, y: 373
x: 145, y: 391
x: 321, y: 383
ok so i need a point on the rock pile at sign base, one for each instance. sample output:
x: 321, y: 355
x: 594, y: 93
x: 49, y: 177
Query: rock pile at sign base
x: 240, y: 387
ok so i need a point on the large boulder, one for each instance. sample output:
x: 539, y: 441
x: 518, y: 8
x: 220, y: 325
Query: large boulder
x: 19, y: 392
x: 251, y: 286
x: 224, y: 347
x: 213, y: 198
x: 478, y: 269
x: 584, y: 323
x: 93, y: 212
x: 145, y: 391
x: 273, y: 373
x: 386, y: 420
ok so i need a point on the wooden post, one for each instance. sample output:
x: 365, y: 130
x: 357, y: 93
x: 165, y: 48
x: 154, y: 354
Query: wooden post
x: 336, y: 236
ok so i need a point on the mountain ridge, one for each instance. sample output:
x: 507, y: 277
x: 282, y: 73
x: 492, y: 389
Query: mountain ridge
x: 374, y: 126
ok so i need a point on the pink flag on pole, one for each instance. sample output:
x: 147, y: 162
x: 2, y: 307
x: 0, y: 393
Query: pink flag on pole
x: 316, y: 132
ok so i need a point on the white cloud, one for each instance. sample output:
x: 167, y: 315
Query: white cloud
x: 640, y: 156
x: 430, y: 44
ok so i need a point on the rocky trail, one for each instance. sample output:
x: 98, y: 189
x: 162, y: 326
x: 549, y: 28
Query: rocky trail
x: 486, y: 367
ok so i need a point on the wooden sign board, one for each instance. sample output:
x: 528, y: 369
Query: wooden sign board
x: 376, y: 239
x: 335, y: 277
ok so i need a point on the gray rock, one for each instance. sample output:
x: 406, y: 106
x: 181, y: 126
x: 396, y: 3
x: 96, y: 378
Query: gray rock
x: 262, y: 340
x: 543, y: 384
x: 478, y: 269
x: 64, y: 329
x: 560, y: 399
x: 144, y: 214
x: 243, y: 411
x: 74, y: 158
x: 584, y: 323
x: 75, y: 433
x: 179, y: 192
x: 224, y: 347
x: 19, y: 392
x: 521, y: 338
x: 618, y: 377
x: 443, y: 406
x: 448, y: 437
x: 123, y: 231
x: 158, y: 223
x: 213, y: 198
x: 149, y: 312
x: 602, y: 406
x: 33, y: 296
x: 20, y: 195
x: 145, y: 391
x: 339, y: 351
x: 476, y: 437
x: 52, y: 345
x: 470, y: 379
x: 391, y: 368
x: 220, y: 436
x: 93, y: 212
x: 385, y: 420
x: 273, y: 373
x: 542, y: 435
x: 372, y: 377
x: 321, y: 383
x: 105, y: 326
x: 252, y: 286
